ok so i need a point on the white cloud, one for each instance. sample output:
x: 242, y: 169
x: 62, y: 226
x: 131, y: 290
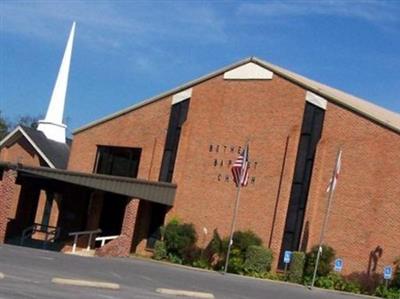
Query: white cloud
x: 137, y: 31
x: 109, y: 22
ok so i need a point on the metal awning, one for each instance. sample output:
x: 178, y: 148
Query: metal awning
x: 158, y: 192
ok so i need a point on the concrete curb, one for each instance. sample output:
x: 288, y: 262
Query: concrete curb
x: 185, y: 293
x: 85, y: 283
x: 346, y: 293
x: 1, y: 275
x: 146, y: 259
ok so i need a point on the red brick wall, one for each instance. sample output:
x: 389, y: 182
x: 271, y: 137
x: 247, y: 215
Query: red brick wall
x: 21, y: 152
x: 145, y: 128
x: 226, y: 113
x: 366, y: 205
x: 7, y: 195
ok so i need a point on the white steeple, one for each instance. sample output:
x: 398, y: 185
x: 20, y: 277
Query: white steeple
x: 52, y: 125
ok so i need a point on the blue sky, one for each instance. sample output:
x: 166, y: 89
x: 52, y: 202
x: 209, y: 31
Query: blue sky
x: 127, y: 51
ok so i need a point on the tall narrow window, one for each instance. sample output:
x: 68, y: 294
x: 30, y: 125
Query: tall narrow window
x: 310, y: 134
x: 178, y: 117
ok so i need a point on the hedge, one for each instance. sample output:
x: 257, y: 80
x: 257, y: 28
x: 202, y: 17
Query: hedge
x: 258, y: 260
x: 296, y: 267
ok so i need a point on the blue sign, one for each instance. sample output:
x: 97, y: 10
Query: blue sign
x: 338, y: 265
x: 387, y: 272
x: 287, y: 257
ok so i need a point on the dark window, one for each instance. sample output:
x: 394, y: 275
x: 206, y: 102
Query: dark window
x: 178, y: 117
x: 310, y: 134
x: 47, y: 207
x: 176, y: 120
x: 119, y: 161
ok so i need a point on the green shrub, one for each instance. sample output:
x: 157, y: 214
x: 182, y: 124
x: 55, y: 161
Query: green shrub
x: 201, y: 263
x: 178, y: 238
x: 325, y: 262
x: 296, y: 267
x: 334, y: 281
x: 244, y: 239
x: 216, y: 246
x: 191, y: 254
x: 258, y: 260
x: 389, y: 293
x: 325, y: 282
x: 236, y: 261
x: 173, y: 258
x: 215, y: 251
x: 160, y: 251
x: 274, y: 276
x: 396, y: 278
x: 352, y: 287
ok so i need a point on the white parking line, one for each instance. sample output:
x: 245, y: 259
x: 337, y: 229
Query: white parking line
x: 85, y: 283
x: 1, y: 275
x: 45, y: 258
x: 185, y: 293
x: 22, y: 279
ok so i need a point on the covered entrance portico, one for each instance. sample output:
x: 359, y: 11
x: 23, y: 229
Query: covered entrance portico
x: 83, y: 202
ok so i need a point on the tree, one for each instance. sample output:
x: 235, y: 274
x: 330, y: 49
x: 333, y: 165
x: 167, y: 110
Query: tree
x: 27, y: 121
x: 4, y: 126
x: 7, y: 126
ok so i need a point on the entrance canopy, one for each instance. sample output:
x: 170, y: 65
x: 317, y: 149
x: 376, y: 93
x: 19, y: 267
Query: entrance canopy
x: 159, y: 192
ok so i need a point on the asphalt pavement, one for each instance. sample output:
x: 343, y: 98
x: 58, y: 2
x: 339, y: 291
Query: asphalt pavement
x: 28, y: 273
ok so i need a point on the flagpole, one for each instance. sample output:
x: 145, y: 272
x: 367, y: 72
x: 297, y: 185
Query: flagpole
x: 232, y: 227
x: 234, y: 216
x: 321, y: 237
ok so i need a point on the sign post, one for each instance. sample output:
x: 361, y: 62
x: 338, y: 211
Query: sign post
x: 286, y: 259
x: 338, y: 265
x: 387, y: 274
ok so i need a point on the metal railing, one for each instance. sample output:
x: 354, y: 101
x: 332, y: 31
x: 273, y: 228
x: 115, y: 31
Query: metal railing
x: 104, y: 239
x: 51, y: 233
x: 87, y: 232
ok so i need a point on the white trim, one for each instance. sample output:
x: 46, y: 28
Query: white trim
x: 249, y: 71
x: 37, y: 149
x: 316, y: 100
x: 9, y: 135
x: 181, y: 96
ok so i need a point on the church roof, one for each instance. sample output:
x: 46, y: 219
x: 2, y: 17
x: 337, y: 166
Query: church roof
x: 375, y: 113
x: 54, y: 153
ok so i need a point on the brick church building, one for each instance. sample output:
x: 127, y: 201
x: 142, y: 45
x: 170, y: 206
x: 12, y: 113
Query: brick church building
x: 170, y: 156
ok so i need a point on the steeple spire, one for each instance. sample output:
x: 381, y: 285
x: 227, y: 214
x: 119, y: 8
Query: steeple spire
x: 52, y: 125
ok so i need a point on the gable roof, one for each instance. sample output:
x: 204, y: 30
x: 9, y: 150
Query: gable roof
x: 382, y: 116
x: 54, y: 153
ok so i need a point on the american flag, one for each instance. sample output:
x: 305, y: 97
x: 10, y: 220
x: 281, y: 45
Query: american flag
x: 334, y: 179
x: 240, y: 169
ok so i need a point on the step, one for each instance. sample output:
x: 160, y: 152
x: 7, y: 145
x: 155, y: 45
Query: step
x: 83, y: 252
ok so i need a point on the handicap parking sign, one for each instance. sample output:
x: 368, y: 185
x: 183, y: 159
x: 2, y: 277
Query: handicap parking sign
x: 287, y: 257
x: 338, y: 265
x: 387, y: 272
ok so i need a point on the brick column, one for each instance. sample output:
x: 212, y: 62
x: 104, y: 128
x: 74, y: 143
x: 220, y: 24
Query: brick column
x: 121, y: 246
x: 7, y: 189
